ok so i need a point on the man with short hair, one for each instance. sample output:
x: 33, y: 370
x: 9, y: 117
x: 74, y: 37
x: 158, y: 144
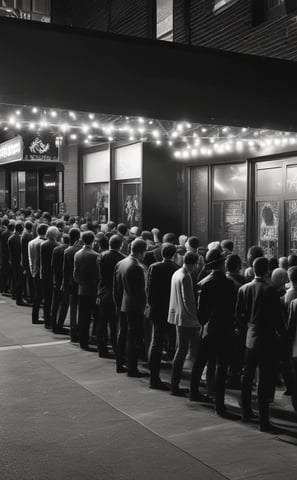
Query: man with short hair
x: 216, y: 304
x: 183, y: 314
x: 130, y: 298
x: 258, y: 312
x: 60, y: 302
x: 15, y: 253
x: 158, y: 296
x: 291, y: 293
x: 86, y: 274
x: 6, y: 272
x: 34, y: 263
x: 227, y: 247
x: 69, y: 285
x: 107, y: 316
x: 27, y: 236
x: 46, y: 253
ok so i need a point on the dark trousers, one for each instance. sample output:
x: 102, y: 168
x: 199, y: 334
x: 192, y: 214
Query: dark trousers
x: 17, y: 283
x: 48, y: 295
x: 38, y: 296
x: 107, y: 317
x: 134, y: 339
x: 266, y: 361
x: 87, y: 307
x: 73, y: 304
x: 155, y: 353
x: 59, y: 308
x: 294, y: 388
x: 5, y: 277
x: 218, y: 350
x: 122, y: 339
x: 185, y: 336
x: 28, y: 286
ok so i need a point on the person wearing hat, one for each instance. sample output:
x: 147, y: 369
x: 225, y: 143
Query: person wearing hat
x: 216, y: 305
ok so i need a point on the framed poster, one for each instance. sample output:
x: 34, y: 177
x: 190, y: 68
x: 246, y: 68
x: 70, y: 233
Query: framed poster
x: 97, y: 201
x: 268, y: 227
x: 129, y: 204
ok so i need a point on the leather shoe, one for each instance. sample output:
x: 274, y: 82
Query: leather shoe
x: 249, y: 416
x: 269, y: 428
x: 179, y: 392
x: 137, y: 374
x: 199, y: 397
x: 159, y: 386
x: 223, y: 413
x: 122, y: 369
x: 38, y: 322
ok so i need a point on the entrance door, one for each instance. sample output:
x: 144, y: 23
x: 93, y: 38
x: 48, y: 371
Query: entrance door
x: 276, y: 206
x: 48, y: 190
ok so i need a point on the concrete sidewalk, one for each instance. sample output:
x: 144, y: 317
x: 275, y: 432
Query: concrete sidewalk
x: 67, y: 414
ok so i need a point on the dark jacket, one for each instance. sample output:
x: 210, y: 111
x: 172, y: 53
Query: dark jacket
x: 129, y: 286
x: 108, y: 261
x: 14, y: 248
x: 46, y: 253
x: 4, y: 245
x: 258, y: 311
x: 216, y: 305
x: 25, y: 239
x: 86, y: 271
x: 57, y: 265
x: 158, y: 288
x: 69, y: 285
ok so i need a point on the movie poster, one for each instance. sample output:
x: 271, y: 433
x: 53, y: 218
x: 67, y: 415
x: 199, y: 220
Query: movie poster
x: 97, y: 201
x: 268, y: 219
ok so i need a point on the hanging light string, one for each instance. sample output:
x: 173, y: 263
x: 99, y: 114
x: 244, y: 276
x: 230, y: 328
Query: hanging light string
x: 185, y: 140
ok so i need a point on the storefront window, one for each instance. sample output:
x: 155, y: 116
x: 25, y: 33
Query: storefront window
x: 199, y: 203
x: 291, y: 179
x: 268, y: 227
x: 129, y: 203
x: 229, y: 182
x: 97, y: 201
x: 291, y: 222
x: 269, y: 181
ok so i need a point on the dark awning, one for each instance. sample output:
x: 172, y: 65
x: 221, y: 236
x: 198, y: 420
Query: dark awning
x: 43, y: 64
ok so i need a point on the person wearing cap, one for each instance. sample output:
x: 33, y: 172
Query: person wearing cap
x: 158, y: 295
x: 216, y: 304
x: 130, y: 300
x: 183, y: 314
x: 258, y: 313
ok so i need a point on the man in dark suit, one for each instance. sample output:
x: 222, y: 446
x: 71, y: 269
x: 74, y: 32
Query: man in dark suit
x: 107, y: 316
x: 34, y: 263
x: 130, y: 298
x: 27, y: 236
x: 46, y: 253
x: 158, y: 296
x: 216, y: 305
x: 60, y: 302
x: 258, y: 313
x: 15, y: 251
x: 6, y: 267
x: 69, y: 285
x: 86, y: 274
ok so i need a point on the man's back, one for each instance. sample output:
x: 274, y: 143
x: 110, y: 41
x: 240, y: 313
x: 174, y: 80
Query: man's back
x: 46, y: 252
x: 57, y: 264
x: 25, y: 239
x: 108, y: 261
x: 129, y: 288
x: 69, y: 284
x: 159, y: 285
x: 14, y: 247
x: 86, y: 271
x: 258, y: 308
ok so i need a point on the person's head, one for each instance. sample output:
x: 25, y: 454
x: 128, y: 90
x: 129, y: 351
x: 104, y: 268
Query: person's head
x: 52, y: 233
x: 19, y: 227
x: 233, y: 263
x: 122, y: 228
x: 190, y: 261
x: 60, y: 225
x: 283, y: 263
x: 168, y: 251
x: 215, y: 245
x: 5, y: 222
x: 46, y: 217
x: 292, y: 274
x: 102, y: 243
x: 147, y: 236
x: 272, y: 264
x: 65, y: 238
x: 28, y: 225
x: 138, y: 248
x: 41, y: 229
x: 260, y: 266
x: 74, y: 235
x: 292, y: 259
x: 115, y: 242
x: 10, y: 226
x: 66, y: 217
x: 227, y: 245
x: 192, y: 244
x: 254, y: 252
x: 182, y: 240
x: 215, y: 260
x: 279, y: 278
x: 169, y: 238
x: 111, y: 226
x: 88, y: 237
x: 134, y: 232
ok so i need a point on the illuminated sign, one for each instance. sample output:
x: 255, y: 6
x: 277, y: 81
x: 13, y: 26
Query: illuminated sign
x: 12, y: 150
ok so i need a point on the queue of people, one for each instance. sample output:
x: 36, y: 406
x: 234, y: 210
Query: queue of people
x: 138, y: 297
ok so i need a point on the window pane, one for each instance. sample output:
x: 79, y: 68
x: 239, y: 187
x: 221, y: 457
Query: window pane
x: 269, y: 181
x: 128, y: 162
x: 229, y: 223
x: 199, y: 203
x: 9, y: 3
x: 230, y: 182
x: 40, y: 6
x: 291, y: 223
x: 129, y: 204
x: 268, y: 227
x: 97, y: 200
x: 292, y: 179
x: 164, y: 17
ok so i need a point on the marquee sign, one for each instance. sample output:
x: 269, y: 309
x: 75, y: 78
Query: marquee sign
x: 11, y: 150
x: 40, y: 146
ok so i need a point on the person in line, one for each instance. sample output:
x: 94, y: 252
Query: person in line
x: 216, y: 306
x: 107, y: 315
x: 130, y: 299
x: 27, y: 236
x: 258, y: 313
x: 6, y: 273
x: 158, y: 296
x: 34, y: 263
x: 69, y: 285
x: 253, y: 252
x: 15, y: 254
x: 291, y: 293
x: 46, y: 253
x: 60, y: 303
x: 86, y: 274
x: 183, y: 314
x: 227, y: 247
